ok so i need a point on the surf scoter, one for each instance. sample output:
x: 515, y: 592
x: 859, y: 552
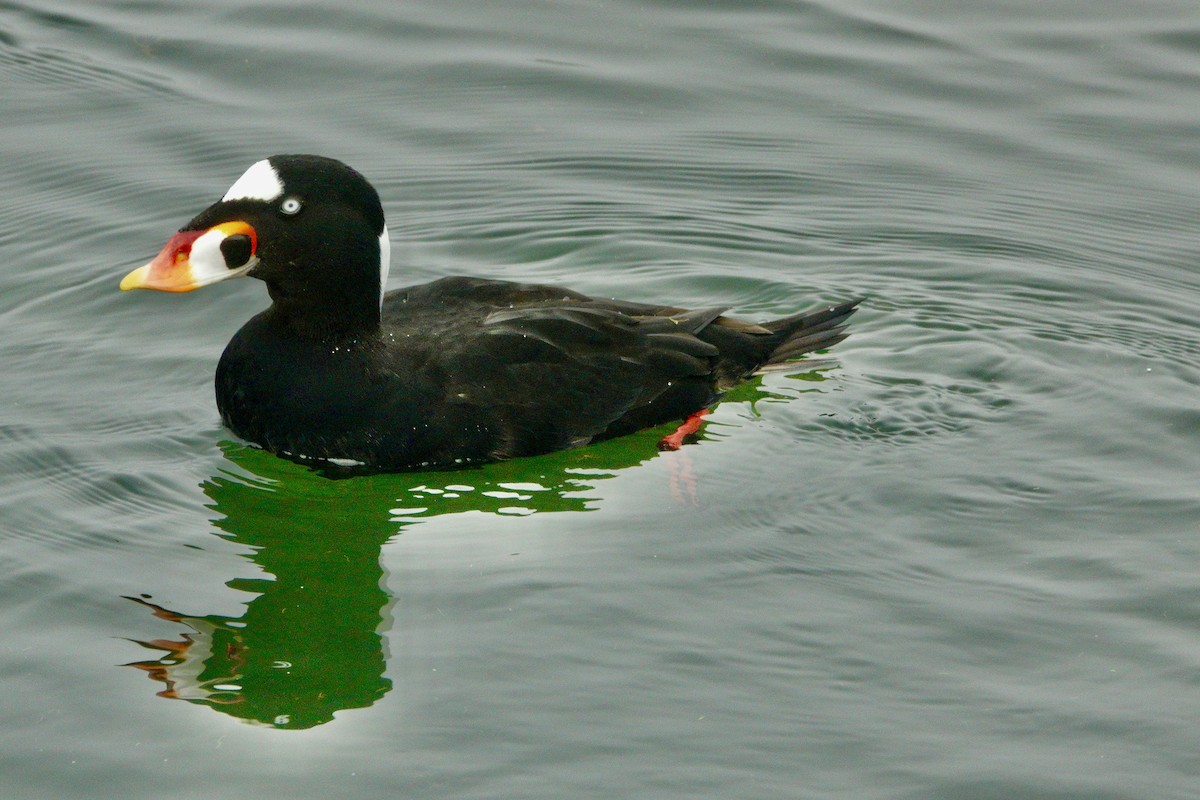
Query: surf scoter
x: 455, y: 372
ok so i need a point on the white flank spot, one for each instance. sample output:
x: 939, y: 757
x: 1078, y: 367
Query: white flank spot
x: 260, y: 182
x: 346, y: 462
x: 339, y: 462
x: 385, y: 262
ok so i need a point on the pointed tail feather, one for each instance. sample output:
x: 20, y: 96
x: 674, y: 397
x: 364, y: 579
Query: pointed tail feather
x: 815, y: 329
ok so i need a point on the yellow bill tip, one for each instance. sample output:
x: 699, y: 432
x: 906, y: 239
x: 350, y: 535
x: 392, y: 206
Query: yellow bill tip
x: 135, y: 279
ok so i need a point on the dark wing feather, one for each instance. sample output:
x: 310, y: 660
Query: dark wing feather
x: 533, y: 368
x: 553, y: 376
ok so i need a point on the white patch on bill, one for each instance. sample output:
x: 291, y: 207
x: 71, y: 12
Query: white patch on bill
x: 385, y: 262
x: 260, y: 182
x: 207, y: 262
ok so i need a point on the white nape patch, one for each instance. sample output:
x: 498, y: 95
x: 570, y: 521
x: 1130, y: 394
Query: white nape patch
x: 385, y: 262
x: 260, y: 182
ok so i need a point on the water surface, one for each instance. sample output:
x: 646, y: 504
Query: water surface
x: 956, y: 559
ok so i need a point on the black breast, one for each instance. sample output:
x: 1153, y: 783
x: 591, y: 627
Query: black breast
x: 353, y: 400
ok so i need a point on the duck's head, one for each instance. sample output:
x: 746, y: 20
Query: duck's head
x: 310, y: 227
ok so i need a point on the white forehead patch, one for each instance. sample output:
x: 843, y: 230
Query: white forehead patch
x: 260, y: 182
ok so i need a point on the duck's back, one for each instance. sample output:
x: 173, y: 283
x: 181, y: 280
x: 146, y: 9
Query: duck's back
x: 546, y: 367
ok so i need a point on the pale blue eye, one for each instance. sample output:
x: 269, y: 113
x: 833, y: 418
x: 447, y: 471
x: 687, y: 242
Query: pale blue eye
x: 290, y: 205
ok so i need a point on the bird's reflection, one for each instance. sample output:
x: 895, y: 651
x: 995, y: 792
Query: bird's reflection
x: 310, y: 641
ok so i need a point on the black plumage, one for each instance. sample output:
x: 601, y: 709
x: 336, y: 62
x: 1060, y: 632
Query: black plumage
x: 461, y: 370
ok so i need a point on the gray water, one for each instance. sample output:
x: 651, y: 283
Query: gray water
x: 957, y: 558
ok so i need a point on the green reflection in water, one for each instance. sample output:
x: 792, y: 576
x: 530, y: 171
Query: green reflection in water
x: 310, y: 641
